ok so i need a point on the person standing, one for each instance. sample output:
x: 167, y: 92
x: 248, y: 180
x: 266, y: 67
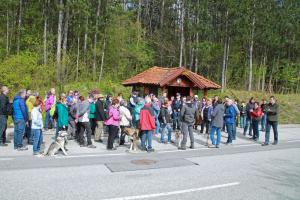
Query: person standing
x: 72, y: 119
x: 176, y: 107
x: 206, y: 115
x: 249, y: 106
x: 83, y: 112
x: 31, y: 98
x: 188, y: 115
x: 236, y: 114
x: 165, y: 120
x: 137, y: 112
x: 20, y: 116
x: 264, y: 114
x: 125, y: 120
x: 92, y: 113
x: 50, y: 101
x: 217, y: 122
x: 229, y: 119
x: 61, y: 114
x: 147, y: 125
x: 156, y: 108
x: 243, y: 114
x: 100, y: 117
x: 4, y: 106
x: 272, y: 121
x: 37, y: 127
x: 256, y: 115
x: 113, y: 123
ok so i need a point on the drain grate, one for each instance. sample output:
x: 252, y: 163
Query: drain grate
x: 144, y: 162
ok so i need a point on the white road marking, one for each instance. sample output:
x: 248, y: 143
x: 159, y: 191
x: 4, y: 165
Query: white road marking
x: 291, y: 141
x: 245, y: 145
x: 175, y: 192
x: 171, y: 151
x: 4, y: 159
x: 91, y: 155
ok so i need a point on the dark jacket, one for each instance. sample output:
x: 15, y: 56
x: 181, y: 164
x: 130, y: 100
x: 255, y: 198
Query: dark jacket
x: 164, y: 116
x: 218, y: 116
x: 4, y: 104
x: 72, y: 112
x: 272, y: 112
x: 243, y: 111
x: 100, y: 113
x: 249, y: 106
x: 188, y: 113
x: 20, y: 111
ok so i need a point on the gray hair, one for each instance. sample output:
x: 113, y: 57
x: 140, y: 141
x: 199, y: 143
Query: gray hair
x: 147, y: 99
x: 22, y: 92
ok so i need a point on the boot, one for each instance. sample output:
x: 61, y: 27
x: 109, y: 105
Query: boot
x: 192, y: 145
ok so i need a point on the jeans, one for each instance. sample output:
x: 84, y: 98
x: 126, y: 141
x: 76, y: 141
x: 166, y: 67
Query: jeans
x: 28, y: 133
x: 37, y: 139
x: 85, y: 127
x: 19, y: 131
x: 229, y: 128
x: 205, y: 123
x: 187, y: 129
x: 234, y: 130
x: 255, y: 129
x: 3, y: 122
x: 212, y: 135
x: 263, y: 121
x: 169, y: 129
x: 112, y: 132
x: 275, y: 131
x: 146, y: 135
x: 49, y: 118
x: 157, y: 124
x: 248, y: 124
x: 176, y: 122
x: 242, y: 121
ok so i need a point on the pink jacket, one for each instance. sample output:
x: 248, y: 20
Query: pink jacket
x: 113, y: 117
x: 49, y: 102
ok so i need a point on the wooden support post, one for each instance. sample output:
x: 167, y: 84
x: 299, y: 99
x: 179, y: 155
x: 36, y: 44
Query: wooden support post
x: 205, y: 92
x: 191, y: 92
x: 146, y: 90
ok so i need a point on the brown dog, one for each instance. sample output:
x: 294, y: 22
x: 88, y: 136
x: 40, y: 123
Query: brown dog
x: 133, y: 134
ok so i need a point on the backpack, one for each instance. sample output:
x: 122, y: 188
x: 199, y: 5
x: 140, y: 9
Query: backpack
x: 52, y: 110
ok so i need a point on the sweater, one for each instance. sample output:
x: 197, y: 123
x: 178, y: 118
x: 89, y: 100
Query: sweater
x: 125, y: 116
x: 37, y: 118
x: 188, y: 113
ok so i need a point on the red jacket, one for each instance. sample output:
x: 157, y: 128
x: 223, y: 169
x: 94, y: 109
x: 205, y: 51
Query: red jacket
x: 147, y: 121
x: 256, y: 114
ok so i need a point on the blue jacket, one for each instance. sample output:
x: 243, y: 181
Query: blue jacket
x: 156, y: 109
x: 20, y: 110
x: 229, y: 115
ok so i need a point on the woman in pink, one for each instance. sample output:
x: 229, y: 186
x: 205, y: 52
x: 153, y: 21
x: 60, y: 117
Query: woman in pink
x: 113, y: 123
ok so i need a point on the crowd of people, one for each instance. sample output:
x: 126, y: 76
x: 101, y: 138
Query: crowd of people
x: 87, y: 118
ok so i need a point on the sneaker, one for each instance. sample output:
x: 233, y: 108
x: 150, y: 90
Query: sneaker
x: 111, y: 149
x: 150, y: 150
x: 39, y: 155
x: 3, y: 145
x: 264, y: 144
x: 275, y: 143
x: 182, y: 148
x: 217, y: 146
x: 83, y: 145
x: 22, y: 149
x: 143, y: 149
x: 228, y: 143
x: 91, y: 146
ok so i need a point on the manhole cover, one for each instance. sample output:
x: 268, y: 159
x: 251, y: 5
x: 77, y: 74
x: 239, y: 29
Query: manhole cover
x: 143, y: 162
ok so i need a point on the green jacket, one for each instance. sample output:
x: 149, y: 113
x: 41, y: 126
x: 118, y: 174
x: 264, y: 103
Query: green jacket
x: 272, y: 112
x: 61, y: 114
x: 92, y: 110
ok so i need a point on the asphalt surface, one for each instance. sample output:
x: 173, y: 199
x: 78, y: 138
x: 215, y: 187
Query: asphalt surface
x: 245, y: 170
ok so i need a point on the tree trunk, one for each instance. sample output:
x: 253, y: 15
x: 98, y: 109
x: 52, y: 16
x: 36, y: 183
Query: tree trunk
x: 197, y: 52
x: 102, y: 58
x: 139, y: 11
x: 59, y: 40
x: 182, y: 34
x: 77, y: 58
x: 264, y: 74
x: 251, y: 55
x: 226, y: 47
x: 19, y: 26
x: 85, y: 43
x: 7, y: 32
x: 95, y: 42
x: 65, y: 41
x: 45, y: 32
x: 162, y: 13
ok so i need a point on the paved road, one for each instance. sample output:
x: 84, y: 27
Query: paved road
x: 244, y: 170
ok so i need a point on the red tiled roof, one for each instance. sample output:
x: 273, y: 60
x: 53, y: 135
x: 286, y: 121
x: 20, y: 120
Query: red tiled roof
x: 162, y: 76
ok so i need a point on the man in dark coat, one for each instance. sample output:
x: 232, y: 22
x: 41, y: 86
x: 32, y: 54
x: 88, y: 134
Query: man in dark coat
x: 4, y: 106
x: 100, y: 117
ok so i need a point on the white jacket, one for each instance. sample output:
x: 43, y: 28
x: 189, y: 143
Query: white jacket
x: 37, y: 118
x: 125, y: 116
